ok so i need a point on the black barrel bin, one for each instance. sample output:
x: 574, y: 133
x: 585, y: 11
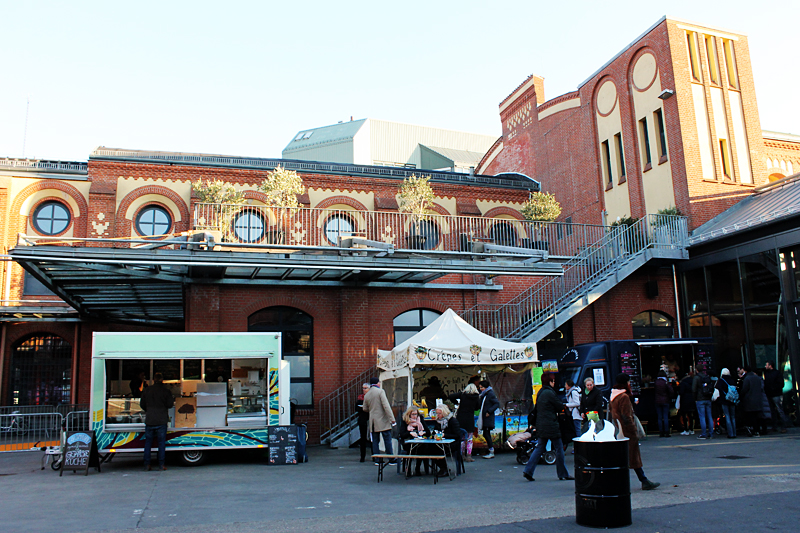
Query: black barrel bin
x: 602, y: 484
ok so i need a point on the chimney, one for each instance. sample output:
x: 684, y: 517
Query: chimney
x: 538, y: 85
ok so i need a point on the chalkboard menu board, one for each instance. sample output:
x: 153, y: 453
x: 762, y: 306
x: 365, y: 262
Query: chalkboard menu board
x: 80, y: 452
x: 282, y: 445
x: 629, y: 364
x: 704, y: 362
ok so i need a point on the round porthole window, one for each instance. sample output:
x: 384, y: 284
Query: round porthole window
x: 51, y: 218
x: 153, y: 221
x: 336, y: 226
x: 248, y: 226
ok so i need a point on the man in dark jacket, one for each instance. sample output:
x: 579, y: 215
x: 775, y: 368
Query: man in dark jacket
x: 156, y: 402
x: 773, y: 386
x: 753, y: 402
x: 547, y: 408
x: 489, y: 404
x: 703, y: 389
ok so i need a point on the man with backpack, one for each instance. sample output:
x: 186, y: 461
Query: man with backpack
x: 703, y: 389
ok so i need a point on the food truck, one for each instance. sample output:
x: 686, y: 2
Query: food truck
x: 229, y: 388
x: 641, y: 359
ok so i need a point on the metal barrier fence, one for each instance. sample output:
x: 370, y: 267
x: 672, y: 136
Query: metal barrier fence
x: 26, y: 427
x: 24, y: 431
x: 259, y: 224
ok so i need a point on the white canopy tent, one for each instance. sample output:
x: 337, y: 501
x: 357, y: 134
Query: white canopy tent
x: 447, y: 341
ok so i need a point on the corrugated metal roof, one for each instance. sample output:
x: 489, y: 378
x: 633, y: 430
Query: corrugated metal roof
x: 334, y: 133
x: 779, y: 201
x: 458, y: 157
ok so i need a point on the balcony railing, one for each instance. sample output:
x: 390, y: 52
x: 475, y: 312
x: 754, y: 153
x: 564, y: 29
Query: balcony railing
x: 262, y: 225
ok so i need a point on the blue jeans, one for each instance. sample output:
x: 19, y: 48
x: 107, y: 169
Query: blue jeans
x: 387, y: 441
x: 150, y: 433
x: 663, y: 418
x: 730, y: 418
x: 706, y: 420
x: 556, y: 446
x: 577, y: 423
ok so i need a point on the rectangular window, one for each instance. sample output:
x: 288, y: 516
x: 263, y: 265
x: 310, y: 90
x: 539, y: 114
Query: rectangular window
x: 694, y: 56
x: 607, y: 162
x: 662, y: 136
x: 711, y: 57
x: 730, y: 63
x: 726, y: 158
x: 568, y: 222
x: 644, y: 141
x: 620, y: 157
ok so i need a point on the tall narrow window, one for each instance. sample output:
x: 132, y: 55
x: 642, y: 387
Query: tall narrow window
x: 730, y: 63
x: 607, y: 162
x: 726, y: 158
x: 711, y: 56
x: 694, y: 56
x: 620, y: 157
x: 662, y: 136
x: 644, y: 141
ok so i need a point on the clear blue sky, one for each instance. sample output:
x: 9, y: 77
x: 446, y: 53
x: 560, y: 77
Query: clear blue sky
x: 241, y: 78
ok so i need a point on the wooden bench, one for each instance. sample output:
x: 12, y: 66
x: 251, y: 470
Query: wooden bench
x: 393, y: 458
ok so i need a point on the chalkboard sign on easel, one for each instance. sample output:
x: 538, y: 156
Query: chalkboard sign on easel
x: 80, y: 452
x: 629, y: 364
x: 282, y: 445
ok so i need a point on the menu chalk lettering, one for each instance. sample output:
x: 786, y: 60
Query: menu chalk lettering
x: 282, y: 445
x: 80, y: 452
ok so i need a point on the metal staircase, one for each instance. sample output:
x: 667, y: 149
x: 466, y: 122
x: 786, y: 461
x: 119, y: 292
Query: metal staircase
x: 596, y: 269
x: 338, y: 414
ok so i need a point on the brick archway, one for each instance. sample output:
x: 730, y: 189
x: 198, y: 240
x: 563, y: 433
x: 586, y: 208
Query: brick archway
x: 79, y: 223
x: 124, y: 225
x: 341, y: 200
x: 503, y: 210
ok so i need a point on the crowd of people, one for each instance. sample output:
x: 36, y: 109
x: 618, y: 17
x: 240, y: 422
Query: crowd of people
x: 759, y: 403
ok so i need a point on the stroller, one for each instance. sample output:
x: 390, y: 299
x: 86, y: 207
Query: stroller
x: 524, y: 448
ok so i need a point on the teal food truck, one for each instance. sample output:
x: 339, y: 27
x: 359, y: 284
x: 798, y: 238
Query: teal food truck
x: 229, y: 389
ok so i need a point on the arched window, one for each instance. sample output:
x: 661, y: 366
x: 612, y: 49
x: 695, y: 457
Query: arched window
x: 296, y: 328
x: 51, y: 218
x: 41, y: 371
x: 248, y: 226
x: 504, y: 234
x: 153, y: 221
x: 408, y: 324
x: 652, y: 325
x: 336, y: 226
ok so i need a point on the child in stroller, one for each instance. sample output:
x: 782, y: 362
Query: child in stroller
x: 523, y: 444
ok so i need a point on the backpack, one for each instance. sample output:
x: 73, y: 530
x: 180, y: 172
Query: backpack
x: 706, y: 387
x: 732, y: 395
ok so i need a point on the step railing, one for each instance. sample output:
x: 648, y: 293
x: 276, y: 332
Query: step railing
x: 596, y: 263
x: 338, y: 409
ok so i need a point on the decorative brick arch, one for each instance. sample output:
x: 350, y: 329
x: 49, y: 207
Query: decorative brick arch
x: 256, y: 195
x: 410, y: 305
x: 338, y: 200
x: 595, y: 92
x: 632, y: 63
x: 286, y: 301
x: 503, y: 210
x: 440, y: 210
x: 125, y: 225
x: 79, y: 223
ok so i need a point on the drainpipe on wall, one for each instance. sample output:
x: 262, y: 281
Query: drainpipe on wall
x: 677, y: 305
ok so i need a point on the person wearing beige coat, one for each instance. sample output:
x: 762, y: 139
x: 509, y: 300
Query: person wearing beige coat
x: 381, y: 417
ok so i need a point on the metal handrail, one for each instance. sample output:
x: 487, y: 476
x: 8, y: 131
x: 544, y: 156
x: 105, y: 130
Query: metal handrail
x: 597, y: 262
x: 326, y: 227
x: 338, y: 409
x: 63, y: 166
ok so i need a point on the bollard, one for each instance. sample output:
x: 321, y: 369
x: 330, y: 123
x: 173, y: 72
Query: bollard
x: 602, y: 484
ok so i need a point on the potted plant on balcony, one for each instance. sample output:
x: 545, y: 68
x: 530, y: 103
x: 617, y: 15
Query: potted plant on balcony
x: 541, y: 207
x: 416, y: 198
x: 223, y: 200
x: 669, y: 231
x: 282, y: 187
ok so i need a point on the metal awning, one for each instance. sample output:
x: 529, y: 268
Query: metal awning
x: 147, y: 285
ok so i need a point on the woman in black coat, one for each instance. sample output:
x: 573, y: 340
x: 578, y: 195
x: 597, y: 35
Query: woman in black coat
x: 489, y: 404
x: 469, y: 402
x: 591, y: 401
x: 363, y: 418
x: 451, y: 429
x: 547, y: 429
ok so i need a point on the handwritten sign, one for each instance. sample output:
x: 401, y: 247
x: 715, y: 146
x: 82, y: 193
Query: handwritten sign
x: 282, y: 445
x: 80, y: 452
x: 629, y: 364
